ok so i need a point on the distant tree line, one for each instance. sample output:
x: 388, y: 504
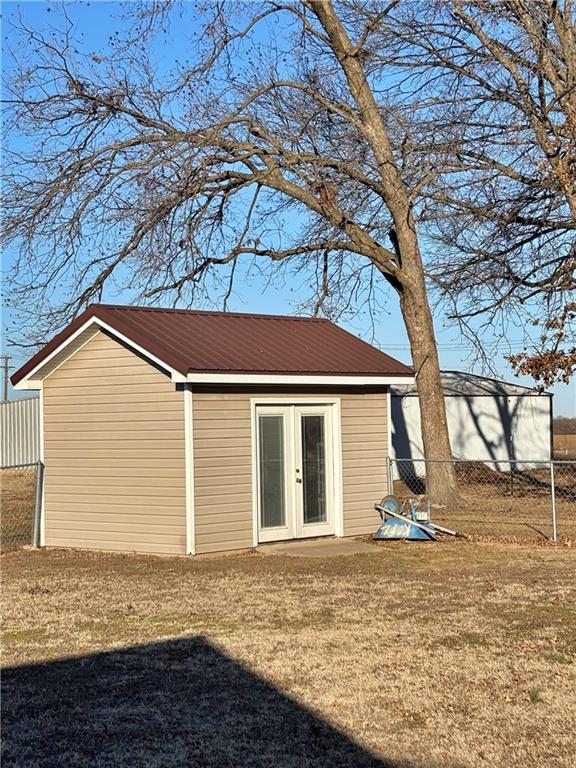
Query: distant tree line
x: 564, y: 425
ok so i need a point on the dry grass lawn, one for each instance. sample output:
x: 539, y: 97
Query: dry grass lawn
x: 565, y: 447
x: 448, y: 654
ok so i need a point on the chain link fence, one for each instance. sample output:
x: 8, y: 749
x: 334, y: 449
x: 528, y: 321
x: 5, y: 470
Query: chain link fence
x: 503, y: 499
x: 20, y: 492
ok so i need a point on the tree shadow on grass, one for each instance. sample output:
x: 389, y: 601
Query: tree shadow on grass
x: 180, y: 702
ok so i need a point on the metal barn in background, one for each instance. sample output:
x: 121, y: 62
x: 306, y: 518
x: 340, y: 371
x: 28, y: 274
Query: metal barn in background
x: 488, y: 420
x: 19, y: 431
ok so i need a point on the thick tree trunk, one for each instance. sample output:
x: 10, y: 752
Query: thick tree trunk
x: 441, y: 484
x: 407, y: 276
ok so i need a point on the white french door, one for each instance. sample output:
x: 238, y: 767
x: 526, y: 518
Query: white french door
x: 295, y: 469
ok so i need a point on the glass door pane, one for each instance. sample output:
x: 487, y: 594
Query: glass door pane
x: 313, y: 468
x: 272, y: 471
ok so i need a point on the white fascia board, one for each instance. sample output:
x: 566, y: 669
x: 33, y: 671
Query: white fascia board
x: 175, y: 376
x: 28, y: 384
x: 255, y: 378
x: 32, y: 382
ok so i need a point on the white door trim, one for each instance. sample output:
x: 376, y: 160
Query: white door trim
x: 338, y: 479
x: 336, y: 454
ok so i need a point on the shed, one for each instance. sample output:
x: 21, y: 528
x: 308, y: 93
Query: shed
x: 488, y: 420
x: 184, y: 432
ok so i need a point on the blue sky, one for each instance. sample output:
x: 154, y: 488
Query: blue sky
x: 386, y: 331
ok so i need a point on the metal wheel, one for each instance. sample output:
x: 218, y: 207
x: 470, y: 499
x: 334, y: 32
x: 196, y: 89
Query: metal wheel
x: 391, y: 503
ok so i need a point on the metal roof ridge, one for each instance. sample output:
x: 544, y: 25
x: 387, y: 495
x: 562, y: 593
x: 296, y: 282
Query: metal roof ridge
x: 212, y: 312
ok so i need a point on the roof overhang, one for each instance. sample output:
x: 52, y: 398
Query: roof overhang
x: 81, y: 336
x: 33, y: 379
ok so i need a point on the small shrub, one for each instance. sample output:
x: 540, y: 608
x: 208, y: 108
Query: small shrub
x: 535, y: 695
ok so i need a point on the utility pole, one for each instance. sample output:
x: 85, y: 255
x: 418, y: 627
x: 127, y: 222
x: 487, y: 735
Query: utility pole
x: 5, y: 369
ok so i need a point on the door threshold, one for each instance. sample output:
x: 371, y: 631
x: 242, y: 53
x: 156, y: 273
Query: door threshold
x: 287, y: 542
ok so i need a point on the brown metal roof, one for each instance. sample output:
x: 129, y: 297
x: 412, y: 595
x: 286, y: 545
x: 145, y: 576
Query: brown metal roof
x: 225, y: 342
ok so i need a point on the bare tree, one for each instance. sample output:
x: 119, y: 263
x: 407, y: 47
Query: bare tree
x: 492, y: 87
x: 274, y: 142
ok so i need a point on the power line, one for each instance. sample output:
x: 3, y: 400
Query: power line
x: 464, y: 348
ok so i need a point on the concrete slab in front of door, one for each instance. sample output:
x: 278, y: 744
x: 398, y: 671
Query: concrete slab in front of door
x: 319, y: 548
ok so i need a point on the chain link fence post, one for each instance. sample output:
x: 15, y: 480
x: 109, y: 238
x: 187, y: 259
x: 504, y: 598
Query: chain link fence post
x: 553, y: 498
x: 389, y: 475
x: 38, y: 504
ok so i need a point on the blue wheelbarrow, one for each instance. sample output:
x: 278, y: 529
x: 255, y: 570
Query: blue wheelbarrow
x: 407, y: 521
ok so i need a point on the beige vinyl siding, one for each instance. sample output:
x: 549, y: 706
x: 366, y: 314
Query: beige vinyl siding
x: 114, y: 453
x: 223, y: 462
x: 67, y: 351
x: 222, y: 471
x: 364, y: 425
